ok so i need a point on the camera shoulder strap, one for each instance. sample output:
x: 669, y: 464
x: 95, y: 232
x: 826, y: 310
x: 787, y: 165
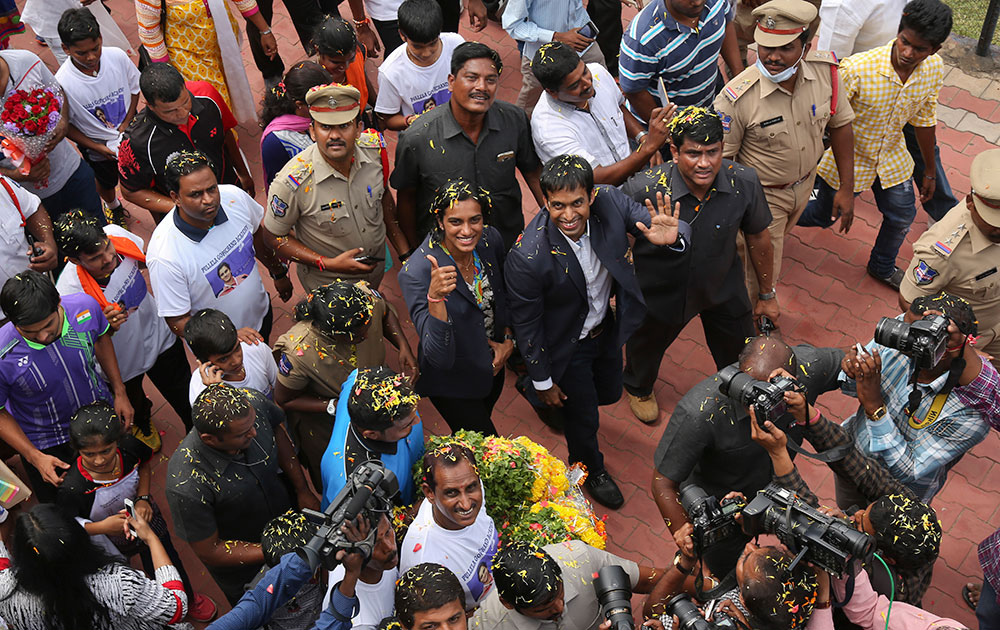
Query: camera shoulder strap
x: 834, y: 454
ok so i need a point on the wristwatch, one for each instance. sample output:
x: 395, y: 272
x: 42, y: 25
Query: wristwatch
x: 764, y: 297
x: 145, y: 497
x: 639, y: 137
x: 878, y: 414
x: 677, y: 564
x: 331, y: 407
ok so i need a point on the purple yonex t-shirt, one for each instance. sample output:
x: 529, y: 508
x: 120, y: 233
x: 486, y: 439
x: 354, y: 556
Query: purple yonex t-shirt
x: 43, y: 386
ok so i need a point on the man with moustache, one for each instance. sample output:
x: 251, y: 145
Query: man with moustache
x: 475, y: 138
x: 329, y: 209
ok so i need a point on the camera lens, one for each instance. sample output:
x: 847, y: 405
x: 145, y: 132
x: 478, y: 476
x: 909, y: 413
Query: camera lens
x: 892, y: 333
x: 692, y: 500
x: 687, y: 613
x: 736, y: 384
x: 614, y: 593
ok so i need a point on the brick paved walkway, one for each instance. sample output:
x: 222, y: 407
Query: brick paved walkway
x: 826, y: 299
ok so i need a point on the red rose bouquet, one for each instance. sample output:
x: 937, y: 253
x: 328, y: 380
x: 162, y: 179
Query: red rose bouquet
x: 27, y: 122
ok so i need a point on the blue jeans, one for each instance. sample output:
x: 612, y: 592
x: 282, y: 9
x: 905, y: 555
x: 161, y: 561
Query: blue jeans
x: 898, y: 207
x: 943, y: 199
x: 988, y: 611
x: 78, y: 193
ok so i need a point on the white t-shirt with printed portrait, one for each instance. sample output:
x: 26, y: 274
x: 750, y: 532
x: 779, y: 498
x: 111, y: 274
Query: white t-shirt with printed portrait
x: 219, y: 271
x: 409, y: 89
x: 144, y: 336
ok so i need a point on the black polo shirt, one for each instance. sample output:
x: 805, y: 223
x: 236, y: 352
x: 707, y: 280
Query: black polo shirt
x: 235, y: 495
x: 707, y: 440
x: 148, y: 141
x: 708, y: 273
x: 435, y: 150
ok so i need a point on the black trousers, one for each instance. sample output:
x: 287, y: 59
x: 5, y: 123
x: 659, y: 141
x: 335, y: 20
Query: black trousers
x: 267, y: 324
x: 471, y: 414
x: 167, y: 376
x: 727, y: 328
x: 305, y: 15
x: 388, y: 32
x: 44, y: 491
x: 607, y: 17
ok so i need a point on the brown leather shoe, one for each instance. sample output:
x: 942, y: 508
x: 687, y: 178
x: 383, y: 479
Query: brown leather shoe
x: 644, y: 407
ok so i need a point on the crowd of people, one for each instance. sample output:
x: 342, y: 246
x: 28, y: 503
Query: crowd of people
x: 667, y: 171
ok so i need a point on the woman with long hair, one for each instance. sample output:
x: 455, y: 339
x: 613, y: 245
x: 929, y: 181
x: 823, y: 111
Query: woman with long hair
x: 285, y: 117
x: 54, y: 577
x: 453, y: 286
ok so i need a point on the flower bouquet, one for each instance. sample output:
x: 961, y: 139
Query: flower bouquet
x: 28, y: 120
x: 530, y: 494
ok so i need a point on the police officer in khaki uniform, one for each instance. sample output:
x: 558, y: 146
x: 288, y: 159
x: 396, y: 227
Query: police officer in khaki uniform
x: 774, y: 115
x: 329, y: 208
x: 960, y: 254
x: 745, y: 23
x: 341, y: 327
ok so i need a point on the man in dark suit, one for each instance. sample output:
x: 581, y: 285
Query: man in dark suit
x: 561, y: 274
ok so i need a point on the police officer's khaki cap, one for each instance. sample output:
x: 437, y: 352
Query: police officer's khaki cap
x: 985, y: 179
x: 333, y: 104
x: 780, y: 22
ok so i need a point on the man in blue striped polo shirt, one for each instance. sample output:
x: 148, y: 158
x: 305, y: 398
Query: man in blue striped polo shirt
x: 680, y: 41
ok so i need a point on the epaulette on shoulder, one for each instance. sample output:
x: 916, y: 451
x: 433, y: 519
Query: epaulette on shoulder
x: 296, y: 172
x: 739, y: 86
x: 371, y: 139
x: 945, y: 245
x: 824, y: 56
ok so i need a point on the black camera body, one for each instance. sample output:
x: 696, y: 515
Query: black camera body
x: 369, y: 491
x: 614, y: 594
x: 925, y: 340
x: 828, y: 542
x: 713, y: 521
x: 690, y: 618
x: 766, y: 398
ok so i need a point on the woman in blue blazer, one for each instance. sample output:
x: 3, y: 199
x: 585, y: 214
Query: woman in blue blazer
x: 453, y: 286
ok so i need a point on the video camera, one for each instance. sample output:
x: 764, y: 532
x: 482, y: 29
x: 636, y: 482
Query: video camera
x: 925, y: 340
x: 369, y: 490
x: 826, y: 541
x: 690, y: 618
x: 614, y: 595
x: 713, y: 521
x: 766, y: 398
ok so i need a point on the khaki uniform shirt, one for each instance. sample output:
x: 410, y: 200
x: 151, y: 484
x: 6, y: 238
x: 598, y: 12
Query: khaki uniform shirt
x: 330, y: 214
x: 780, y: 134
x: 309, y: 362
x: 578, y: 562
x: 953, y: 255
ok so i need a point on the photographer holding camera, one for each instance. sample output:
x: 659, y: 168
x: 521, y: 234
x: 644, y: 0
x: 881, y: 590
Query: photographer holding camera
x: 911, y: 416
x: 906, y: 531
x: 770, y: 593
x: 707, y: 441
x: 550, y: 586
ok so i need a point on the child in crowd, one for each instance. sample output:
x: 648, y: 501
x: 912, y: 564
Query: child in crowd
x: 102, y: 87
x: 114, y: 466
x: 414, y: 77
x: 224, y: 358
x: 342, y: 56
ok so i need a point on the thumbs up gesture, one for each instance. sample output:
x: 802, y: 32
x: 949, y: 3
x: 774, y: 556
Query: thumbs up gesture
x: 443, y: 280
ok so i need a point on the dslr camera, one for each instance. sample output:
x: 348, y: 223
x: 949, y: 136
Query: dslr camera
x: 826, y: 541
x: 368, y: 492
x: 614, y: 595
x: 690, y: 618
x: 713, y: 521
x: 766, y: 397
x: 925, y: 340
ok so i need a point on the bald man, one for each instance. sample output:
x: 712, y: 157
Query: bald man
x: 707, y: 441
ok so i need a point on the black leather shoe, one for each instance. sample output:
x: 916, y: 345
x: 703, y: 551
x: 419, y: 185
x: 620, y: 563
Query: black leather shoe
x: 893, y: 280
x: 604, y: 490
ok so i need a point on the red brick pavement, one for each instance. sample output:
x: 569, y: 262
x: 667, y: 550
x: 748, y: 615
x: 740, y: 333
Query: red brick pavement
x: 827, y: 299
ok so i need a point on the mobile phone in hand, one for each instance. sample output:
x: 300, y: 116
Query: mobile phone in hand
x: 130, y: 508
x: 589, y: 30
x: 368, y: 260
